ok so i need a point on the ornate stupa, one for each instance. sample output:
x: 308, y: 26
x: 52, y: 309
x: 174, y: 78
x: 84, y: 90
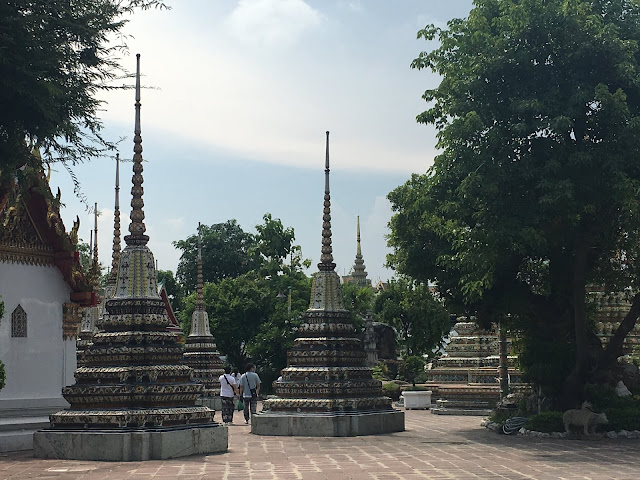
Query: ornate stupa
x: 358, y: 274
x: 200, y: 348
x: 133, y: 399
x: 110, y: 288
x: 90, y: 315
x: 326, y: 389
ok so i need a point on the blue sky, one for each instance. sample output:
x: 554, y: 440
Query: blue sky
x: 243, y: 91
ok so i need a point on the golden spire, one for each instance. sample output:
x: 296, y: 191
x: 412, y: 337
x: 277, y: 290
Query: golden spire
x: 326, y: 258
x: 115, y: 255
x: 136, y: 227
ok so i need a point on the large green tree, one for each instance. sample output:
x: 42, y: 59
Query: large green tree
x: 420, y: 319
x: 253, y: 315
x: 55, y: 57
x: 226, y: 251
x: 535, y: 193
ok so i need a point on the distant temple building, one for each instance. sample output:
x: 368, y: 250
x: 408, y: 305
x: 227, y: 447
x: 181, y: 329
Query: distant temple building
x: 358, y: 274
x: 44, y: 291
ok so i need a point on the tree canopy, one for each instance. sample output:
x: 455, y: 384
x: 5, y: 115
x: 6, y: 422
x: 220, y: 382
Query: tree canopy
x: 226, y: 251
x: 420, y: 320
x: 535, y: 193
x: 55, y: 57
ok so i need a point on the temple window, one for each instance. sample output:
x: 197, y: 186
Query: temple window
x: 19, y: 322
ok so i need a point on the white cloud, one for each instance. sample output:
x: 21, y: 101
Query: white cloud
x: 271, y: 22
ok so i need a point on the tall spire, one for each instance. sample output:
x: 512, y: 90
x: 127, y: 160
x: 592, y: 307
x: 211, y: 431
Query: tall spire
x: 359, y: 275
x: 115, y: 255
x: 136, y: 227
x: 326, y: 258
x: 199, y: 295
x: 95, y: 234
x: 358, y: 249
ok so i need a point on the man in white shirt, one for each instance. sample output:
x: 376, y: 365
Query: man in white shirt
x: 228, y: 389
x: 249, y: 390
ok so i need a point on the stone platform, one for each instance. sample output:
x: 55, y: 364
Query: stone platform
x: 335, y: 424
x: 132, y: 445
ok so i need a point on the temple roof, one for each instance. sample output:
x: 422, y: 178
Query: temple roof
x: 33, y: 233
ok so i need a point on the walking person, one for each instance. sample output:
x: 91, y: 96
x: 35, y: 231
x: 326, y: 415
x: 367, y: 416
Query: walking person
x: 249, y: 390
x: 228, y: 389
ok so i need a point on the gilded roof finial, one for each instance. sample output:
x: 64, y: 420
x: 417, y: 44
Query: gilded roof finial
x: 136, y: 227
x: 115, y: 256
x: 326, y: 258
x: 95, y: 267
x: 199, y: 294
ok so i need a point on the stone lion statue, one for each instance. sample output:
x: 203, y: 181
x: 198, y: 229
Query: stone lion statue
x: 584, y: 418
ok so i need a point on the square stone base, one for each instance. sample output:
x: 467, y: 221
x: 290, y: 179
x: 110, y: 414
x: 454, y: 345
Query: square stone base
x: 336, y: 424
x: 108, y: 445
x: 214, y: 403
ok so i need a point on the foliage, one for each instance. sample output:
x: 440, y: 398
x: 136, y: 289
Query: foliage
x: 246, y: 313
x: 410, y: 368
x: 359, y: 301
x: 535, y: 193
x: 56, y: 57
x: 604, y: 397
x: 392, y: 390
x: 623, y: 418
x: 550, y: 421
x: 173, y: 288
x: 225, y: 254
x: 380, y: 371
x: 411, y: 309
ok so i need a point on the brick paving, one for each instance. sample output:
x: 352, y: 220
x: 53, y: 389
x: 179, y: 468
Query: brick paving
x: 433, y: 447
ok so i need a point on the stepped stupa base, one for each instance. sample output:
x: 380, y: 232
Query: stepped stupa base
x: 130, y: 445
x: 330, y: 424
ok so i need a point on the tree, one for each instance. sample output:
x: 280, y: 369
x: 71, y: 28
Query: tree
x: 535, y: 193
x: 249, y: 313
x: 420, y: 320
x: 225, y: 254
x: 55, y: 58
x: 359, y: 301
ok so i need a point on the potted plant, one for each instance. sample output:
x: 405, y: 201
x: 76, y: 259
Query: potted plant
x: 415, y: 397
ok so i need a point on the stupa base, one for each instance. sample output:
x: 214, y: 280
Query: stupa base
x: 331, y: 424
x: 132, y: 445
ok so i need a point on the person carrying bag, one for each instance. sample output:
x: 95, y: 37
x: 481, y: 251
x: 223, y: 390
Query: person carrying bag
x: 228, y: 389
x: 249, y: 391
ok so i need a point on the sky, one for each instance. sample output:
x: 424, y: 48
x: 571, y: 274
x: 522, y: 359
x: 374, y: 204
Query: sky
x: 237, y: 96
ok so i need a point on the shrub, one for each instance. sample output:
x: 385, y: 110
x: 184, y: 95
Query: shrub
x: 391, y: 390
x: 623, y: 418
x: 604, y: 397
x: 380, y: 371
x: 2, y: 375
x: 412, y: 366
x: 547, y: 422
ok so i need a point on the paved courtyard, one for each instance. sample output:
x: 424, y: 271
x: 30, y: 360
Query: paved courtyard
x: 434, y: 447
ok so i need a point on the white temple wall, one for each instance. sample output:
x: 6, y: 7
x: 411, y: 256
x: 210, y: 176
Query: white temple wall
x: 40, y: 364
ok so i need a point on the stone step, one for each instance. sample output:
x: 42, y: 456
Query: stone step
x: 16, y: 433
x: 461, y: 411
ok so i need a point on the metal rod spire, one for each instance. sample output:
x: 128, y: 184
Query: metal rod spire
x: 115, y: 254
x: 136, y: 227
x: 326, y: 258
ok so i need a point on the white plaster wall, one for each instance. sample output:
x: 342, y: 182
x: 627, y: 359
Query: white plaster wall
x: 39, y: 365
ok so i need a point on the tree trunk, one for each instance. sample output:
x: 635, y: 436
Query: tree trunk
x: 614, y: 348
x: 579, y: 321
x: 572, y: 389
